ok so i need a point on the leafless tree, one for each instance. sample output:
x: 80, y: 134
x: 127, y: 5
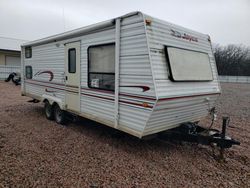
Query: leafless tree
x: 232, y: 59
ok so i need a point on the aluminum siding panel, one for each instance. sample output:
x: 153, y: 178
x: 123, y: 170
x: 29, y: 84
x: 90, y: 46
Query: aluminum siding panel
x: 135, y: 57
x: 169, y: 114
x: 48, y: 57
x: 134, y: 71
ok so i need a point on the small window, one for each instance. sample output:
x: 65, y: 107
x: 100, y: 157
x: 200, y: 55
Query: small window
x: 72, y: 60
x: 28, y: 72
x: 28, y: 52
x: 101, y: 68
x: 187, y: 65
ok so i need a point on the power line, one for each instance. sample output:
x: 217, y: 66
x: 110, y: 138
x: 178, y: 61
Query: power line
x: 12, y: 38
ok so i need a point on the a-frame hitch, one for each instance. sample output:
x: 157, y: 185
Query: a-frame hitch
x: 192, y: 132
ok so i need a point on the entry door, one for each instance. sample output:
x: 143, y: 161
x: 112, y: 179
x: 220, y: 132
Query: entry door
x: 72, y: 76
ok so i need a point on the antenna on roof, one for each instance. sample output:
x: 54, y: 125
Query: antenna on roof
x: 63, y: 19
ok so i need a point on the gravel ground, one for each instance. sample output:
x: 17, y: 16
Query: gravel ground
x: 35, y: 152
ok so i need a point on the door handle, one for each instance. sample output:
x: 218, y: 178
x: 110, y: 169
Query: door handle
x: 66, y: 77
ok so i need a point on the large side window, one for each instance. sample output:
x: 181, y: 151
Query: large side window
x: 28, y: 72
x: 101, y: 70
x: 72, y: 60
x: 28, y: 52
x: 187, y: 65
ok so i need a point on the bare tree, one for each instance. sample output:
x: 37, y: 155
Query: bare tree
x: 232, y: 60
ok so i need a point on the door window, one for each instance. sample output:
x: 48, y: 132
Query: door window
x: 72, y: 60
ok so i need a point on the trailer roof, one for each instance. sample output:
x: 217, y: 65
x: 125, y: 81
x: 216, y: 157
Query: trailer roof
x: 77, y: 32
x: 95, y: 27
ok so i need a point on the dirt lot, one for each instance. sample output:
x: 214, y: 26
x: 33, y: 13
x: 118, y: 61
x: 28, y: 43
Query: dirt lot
x: 38, y: 152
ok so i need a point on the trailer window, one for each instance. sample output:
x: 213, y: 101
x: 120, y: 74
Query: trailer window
x: 187, y: 65
x: 101, y: 67
x: 28, y: 72
x: 28, y: 52
x: 72, y: 60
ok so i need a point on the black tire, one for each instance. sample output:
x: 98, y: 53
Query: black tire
x: 48, y: 109
x: 60, y: 115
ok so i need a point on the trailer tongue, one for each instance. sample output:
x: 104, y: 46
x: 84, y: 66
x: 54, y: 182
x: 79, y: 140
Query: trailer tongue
x: 192, y: 132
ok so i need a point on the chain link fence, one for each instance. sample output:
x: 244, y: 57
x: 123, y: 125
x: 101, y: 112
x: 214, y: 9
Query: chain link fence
x: 235, y: 79
x: 5, y: 70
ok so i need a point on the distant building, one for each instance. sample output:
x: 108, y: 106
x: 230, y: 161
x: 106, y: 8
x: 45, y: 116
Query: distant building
x: 10, y: 56
x: 10, y: 51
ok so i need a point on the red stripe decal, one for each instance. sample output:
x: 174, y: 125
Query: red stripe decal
x: 144, y: 88
x: 51, y: 87
x: 136, y: 104
x: 99, y: 91
x: 189, y: 96
x: 97, y: 96
x: 45, y: 82
x: 122, y: 94
x: 119, y: 100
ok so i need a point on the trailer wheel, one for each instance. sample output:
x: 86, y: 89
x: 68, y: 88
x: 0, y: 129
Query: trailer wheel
x: 48, y: 110
x: 60, y: 115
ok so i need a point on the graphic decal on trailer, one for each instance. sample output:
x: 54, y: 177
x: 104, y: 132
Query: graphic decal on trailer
x: 46, y: 72
x: 183, y: 36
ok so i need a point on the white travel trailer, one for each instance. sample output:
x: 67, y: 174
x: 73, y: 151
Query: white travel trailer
x: 135, y: 73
